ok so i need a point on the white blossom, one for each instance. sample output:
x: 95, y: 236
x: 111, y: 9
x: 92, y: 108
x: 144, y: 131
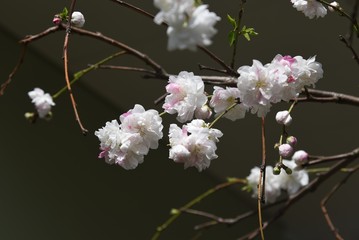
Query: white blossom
x: 188, y: 25
x: 42, y: 101
x: 126, y: 144
x: 222, y: 99
x: 310, y: 8
x: 194, y: 144
x: 77, y: 19
x: 255, y: 87
x: 272, y: 185
x: 186, y: 95
x: 306, y: 71
x: 293, y: 182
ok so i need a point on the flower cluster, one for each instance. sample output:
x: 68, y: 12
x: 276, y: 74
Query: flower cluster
x: 189, y: 25
x: 126, y: 144
x: 274, y: 184
x: 42, y: 101
x: 186, y: 97
x: 281, y: 80
x: 313, y: 8
x: 194, y: 144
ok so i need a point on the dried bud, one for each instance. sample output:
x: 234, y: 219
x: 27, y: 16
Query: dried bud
x: 284, y: 118
x: 285, y: 150
x: 291, y: 140
x: 77, y: 19
x: 300, y: 157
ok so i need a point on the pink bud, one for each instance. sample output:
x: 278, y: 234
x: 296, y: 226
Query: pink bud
x: 300, y: 157
x: 56, y: 20
x: 285, y: 150
x: 291, y: 140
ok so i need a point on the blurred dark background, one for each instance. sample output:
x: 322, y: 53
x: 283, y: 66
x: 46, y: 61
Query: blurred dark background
x: 54, y: 187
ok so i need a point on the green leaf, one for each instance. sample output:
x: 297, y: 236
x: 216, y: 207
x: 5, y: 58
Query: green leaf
x: 248, y: 32
x: 232, y: 21
x: 64, y: 13
x: 231, y: 37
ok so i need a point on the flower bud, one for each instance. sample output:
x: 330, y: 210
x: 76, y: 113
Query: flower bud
x: 284, y: 118
x: 30, y: 116
x: 285, y: 150
x: 56, y: 20
x: 333, y: 4
x: 204, y: 112
x: 276, y: 170
x: 288, y: 171
x: 77, y: 19
x: 291, y: 140
x: 300, y: 157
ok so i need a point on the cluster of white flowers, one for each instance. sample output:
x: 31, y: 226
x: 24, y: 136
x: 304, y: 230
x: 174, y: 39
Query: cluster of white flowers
x: 281, y: 80
x: 194, y: 144
x: 126, y: 144
x: 42, y: 101
x: 274, y: 184
x: 186, y: 97
x: 188, y: 25
x: 313, y: 8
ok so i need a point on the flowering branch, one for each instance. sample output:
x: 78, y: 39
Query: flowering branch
x: 346, y: 159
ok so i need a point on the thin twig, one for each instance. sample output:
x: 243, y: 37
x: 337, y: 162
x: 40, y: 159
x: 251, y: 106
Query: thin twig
x: 177, y: 212
x: 326, y: 96
x: 14, y: 71
x: 326, y: 159
x: 67, y: 78
x: 81, y: 73
x: 262, y: 179
x: 237, y: 219
x: 235, y: 43
x: 344, y: 14
x: 350, y: 47
x: 328, y: 196
x: 126, y: 68
x: 203, y: 67
x: 353, y: 16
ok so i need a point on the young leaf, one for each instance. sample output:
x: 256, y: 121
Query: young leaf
x: 231, y: 37
x: 232, y: 21
x: 64, y: 13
